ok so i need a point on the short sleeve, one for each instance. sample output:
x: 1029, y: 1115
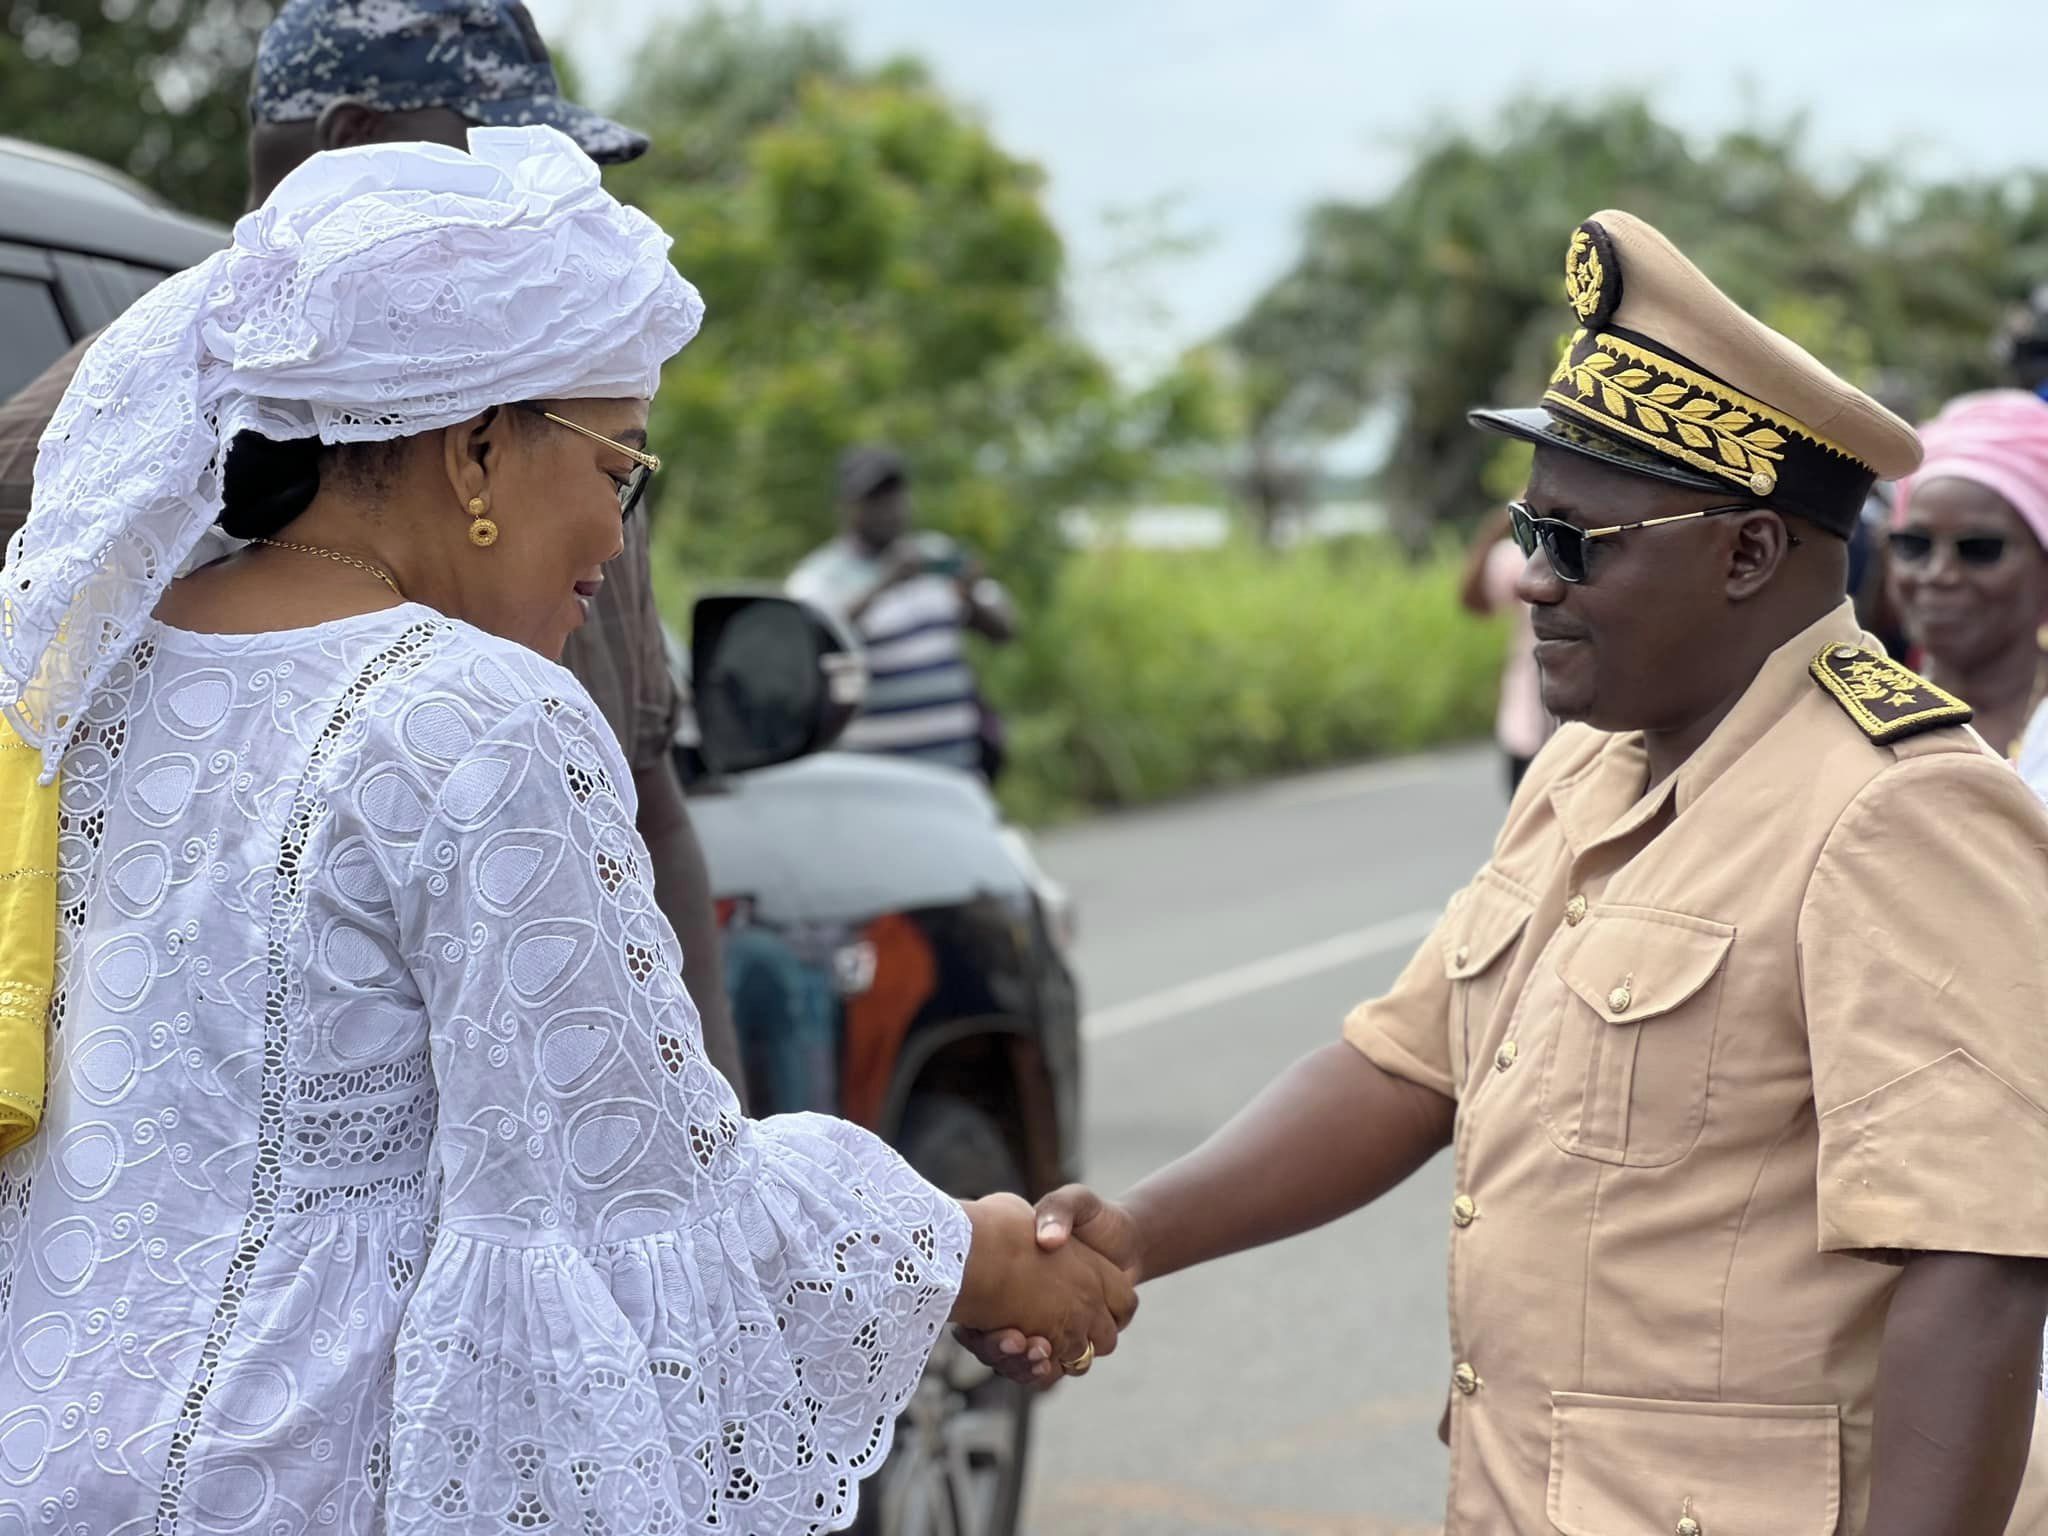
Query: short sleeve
x: 812, y: 583
x: 2033, y: 761
x: 657, y: 700
x: 641, y: 1310
x: 1405, y: 1032
x: 1924, y: 977
x: 622, y: 661
x: 22, y: 420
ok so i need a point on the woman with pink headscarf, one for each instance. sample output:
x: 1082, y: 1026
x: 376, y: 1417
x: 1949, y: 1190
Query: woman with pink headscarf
x: 1969, y: 557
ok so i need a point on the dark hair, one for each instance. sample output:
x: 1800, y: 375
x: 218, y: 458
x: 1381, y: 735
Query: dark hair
x: 265, y: 483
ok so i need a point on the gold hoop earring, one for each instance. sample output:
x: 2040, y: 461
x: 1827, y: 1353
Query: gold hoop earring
x: 483, y: 533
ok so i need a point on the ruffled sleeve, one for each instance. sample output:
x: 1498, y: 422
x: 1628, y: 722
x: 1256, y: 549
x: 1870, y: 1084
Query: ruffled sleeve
x: 641, y: 1312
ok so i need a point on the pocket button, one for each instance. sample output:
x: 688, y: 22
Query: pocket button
x: 1688, y: 1527
x: 1619, y: 999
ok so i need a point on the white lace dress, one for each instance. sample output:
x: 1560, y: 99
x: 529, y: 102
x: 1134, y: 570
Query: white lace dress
x: 384, y: 1185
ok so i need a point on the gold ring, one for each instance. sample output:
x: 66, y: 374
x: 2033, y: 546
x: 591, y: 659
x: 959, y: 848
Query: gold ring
x: 1081, y: 1365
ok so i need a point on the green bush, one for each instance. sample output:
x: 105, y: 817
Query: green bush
x: 1153, y: 674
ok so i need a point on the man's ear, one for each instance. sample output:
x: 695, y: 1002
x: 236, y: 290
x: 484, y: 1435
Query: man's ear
x: 1758, y: 544
x: 345, y: 122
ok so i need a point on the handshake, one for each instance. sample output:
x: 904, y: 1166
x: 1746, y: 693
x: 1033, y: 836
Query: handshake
x: 1034, y: 1306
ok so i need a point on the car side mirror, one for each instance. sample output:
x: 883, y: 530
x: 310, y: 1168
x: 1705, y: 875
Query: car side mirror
x: 772, y: 679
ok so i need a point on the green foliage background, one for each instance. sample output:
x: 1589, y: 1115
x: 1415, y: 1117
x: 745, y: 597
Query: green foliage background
x: 1445, y: 292
x: 1154, y: 674
x: 879, y: 267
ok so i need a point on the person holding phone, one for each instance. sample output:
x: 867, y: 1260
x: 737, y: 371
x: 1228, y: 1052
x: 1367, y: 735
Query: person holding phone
x: 911, y: 596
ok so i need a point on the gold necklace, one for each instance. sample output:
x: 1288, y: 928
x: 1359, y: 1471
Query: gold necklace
x: 377, y: 571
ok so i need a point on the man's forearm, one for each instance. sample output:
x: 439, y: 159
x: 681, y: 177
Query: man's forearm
x: 1957, y: 1381
x: 682, y: 885
x: 1330, y: 1134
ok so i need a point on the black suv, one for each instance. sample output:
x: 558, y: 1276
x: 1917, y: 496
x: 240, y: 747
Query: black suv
x: 892, y: 952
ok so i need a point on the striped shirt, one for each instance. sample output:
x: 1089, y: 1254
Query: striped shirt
x: 922, y: 701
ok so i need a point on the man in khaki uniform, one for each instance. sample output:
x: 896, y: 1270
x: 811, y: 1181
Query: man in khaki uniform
x: 1740, y: 1037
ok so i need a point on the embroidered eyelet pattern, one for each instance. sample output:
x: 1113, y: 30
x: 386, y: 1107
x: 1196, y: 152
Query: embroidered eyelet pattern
x: 282, y: 1005
x: 391, y: 1188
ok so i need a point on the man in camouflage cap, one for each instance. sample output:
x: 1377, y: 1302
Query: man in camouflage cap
x: 334, y: 73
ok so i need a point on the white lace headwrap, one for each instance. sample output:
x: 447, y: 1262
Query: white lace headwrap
x: 380, y: 292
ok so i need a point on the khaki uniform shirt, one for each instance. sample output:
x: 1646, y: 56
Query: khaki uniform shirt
x: 1723, y: 1052
x: 617, y: 655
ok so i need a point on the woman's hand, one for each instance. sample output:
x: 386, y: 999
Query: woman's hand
x: 1109, y: 1229
x: 1069, y: 1299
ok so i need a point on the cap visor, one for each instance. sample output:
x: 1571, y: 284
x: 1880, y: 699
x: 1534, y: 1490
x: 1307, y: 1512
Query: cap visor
x: 1545, y: 430
x: 606, y: 142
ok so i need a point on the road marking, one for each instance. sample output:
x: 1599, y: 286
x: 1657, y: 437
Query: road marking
x: 1259, y: 975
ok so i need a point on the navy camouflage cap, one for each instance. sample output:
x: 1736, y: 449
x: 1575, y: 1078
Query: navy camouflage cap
x: 481, y: 58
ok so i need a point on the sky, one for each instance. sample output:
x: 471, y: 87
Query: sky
x: 1233, y: 118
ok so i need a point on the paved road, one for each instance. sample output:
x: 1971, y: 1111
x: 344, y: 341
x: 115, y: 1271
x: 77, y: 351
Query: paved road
x: 1295, y: 1390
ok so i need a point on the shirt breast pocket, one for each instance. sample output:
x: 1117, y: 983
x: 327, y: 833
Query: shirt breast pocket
x: 1478, y: 935
x: 1625, y: 1076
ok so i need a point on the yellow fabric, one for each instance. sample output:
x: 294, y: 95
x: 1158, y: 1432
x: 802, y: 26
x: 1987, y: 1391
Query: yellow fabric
x: 28, y: 933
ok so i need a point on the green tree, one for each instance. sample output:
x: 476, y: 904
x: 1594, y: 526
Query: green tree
x: 158, y: 88
x: 876, y: 267
x: 1445, y: 293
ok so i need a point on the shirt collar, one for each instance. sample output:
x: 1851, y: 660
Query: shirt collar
x: 1605, y: 800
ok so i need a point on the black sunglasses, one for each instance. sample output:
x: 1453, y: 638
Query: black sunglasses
x: 634, y: 486
x: 1978, y: 549
x: 1567, y: 545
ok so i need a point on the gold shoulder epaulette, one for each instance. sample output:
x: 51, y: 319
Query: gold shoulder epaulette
x: 1888, y: 701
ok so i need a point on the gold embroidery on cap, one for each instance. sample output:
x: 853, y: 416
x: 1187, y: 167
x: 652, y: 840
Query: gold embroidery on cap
x: 1678, y: 411
x: 1584, y: 275
x: 1888, y: 701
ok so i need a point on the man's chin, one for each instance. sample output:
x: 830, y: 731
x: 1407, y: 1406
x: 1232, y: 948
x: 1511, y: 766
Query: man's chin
x: 1568, y: 712
x: 1563, y: 700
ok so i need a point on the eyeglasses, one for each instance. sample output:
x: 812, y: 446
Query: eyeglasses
x: 1566, y: 544
x: 1979, y: 549
x: 634, y: 486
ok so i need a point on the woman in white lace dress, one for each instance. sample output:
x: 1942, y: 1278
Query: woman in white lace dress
x: 382, y: 1184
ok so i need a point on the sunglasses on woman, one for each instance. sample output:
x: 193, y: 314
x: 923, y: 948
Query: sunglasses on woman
x: 1568, y: 546
x: 1979, y: 549
x: 634, y: 486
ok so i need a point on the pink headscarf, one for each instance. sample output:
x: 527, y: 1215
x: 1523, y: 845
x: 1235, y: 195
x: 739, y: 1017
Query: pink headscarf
x: 1999, y: 440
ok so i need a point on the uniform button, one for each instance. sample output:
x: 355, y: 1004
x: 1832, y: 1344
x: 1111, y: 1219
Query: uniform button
x: 1463, y: 1210
x: 1575, y: 911
x: 1461, y: 956
x: 1505, y: 1056
x: 1688, y: 1527
x: 1619, y: 999
x: 1465, y: 1379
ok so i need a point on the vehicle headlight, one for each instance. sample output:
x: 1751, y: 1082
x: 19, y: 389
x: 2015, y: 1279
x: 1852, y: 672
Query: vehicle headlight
x: 1060, y: 915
